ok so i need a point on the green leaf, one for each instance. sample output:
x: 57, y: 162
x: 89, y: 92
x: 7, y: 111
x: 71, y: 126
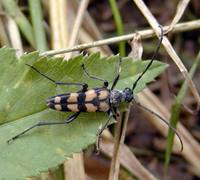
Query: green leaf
x: 23, y: 93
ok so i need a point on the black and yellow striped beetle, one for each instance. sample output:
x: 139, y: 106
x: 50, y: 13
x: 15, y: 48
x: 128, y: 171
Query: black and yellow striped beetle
x: 99, y: 99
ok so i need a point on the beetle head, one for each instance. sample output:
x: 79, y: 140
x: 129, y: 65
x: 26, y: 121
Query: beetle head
x: 127, y: 95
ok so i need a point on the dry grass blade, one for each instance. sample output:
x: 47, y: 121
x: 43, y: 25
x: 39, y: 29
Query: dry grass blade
x: 179, y: 13
x: 58, y: 24
x: 14, y: 36
x: 167, y: 45
x: 77, y: 24
x: 74, y: 167
x: 127, y: 160
x: 115, y: 162
x: 136, y: 47
x: 90, y: 27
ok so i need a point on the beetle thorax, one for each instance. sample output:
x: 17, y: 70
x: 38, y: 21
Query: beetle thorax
x: 117, y: 97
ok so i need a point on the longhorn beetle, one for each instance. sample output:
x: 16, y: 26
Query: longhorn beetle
x: 100, y: 99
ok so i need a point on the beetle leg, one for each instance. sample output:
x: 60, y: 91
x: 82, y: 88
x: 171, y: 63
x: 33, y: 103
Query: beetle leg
x: 110, y: 114
x: 115, y: 81
x: 68, y: 120
x: 84, y: 85
x: 105, y: 83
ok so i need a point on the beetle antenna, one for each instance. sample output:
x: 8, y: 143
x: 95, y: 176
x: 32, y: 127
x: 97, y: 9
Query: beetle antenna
x: 152, y: 59
x: 164, y: 120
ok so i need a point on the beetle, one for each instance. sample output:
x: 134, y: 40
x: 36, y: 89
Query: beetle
x: 100, y: 99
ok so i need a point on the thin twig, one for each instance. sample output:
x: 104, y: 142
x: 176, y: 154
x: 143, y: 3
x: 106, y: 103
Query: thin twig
x: 181, y: 27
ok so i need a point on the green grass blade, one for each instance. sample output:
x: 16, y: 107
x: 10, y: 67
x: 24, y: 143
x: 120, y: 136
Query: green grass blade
x: 175, y: 112
x: 38, y: 26
x: 119, y: 25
